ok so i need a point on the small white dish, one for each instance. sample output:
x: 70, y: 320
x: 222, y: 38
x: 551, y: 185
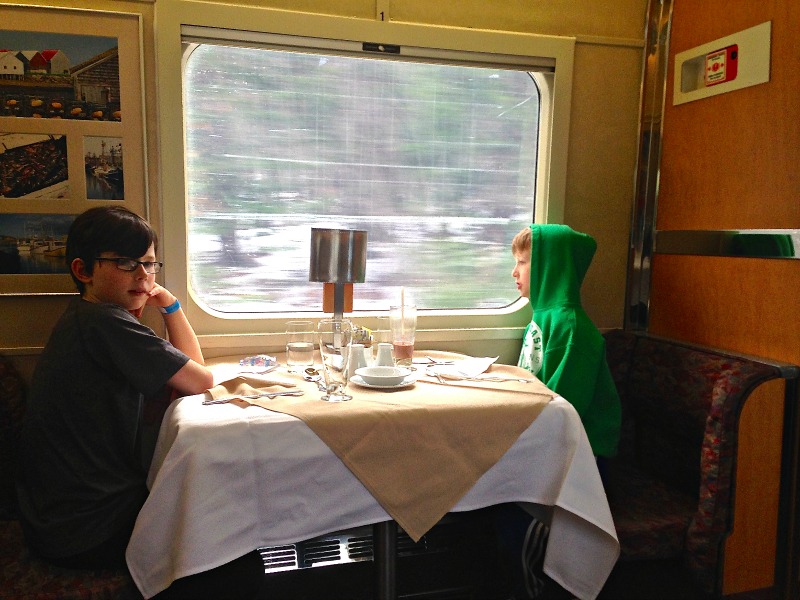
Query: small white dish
x: 407, y: 382
x: 383, y: 376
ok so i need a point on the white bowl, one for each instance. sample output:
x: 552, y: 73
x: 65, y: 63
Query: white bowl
x: 383, y: 376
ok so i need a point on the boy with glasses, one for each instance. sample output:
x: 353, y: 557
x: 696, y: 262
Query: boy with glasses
x: 84, y: 448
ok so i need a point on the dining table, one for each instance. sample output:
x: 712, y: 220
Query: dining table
x: 235, y: 470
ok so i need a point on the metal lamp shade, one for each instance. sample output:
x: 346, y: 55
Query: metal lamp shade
x: 338, y: 256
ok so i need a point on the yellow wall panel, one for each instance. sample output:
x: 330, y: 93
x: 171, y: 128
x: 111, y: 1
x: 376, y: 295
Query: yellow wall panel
x: 621, y: 18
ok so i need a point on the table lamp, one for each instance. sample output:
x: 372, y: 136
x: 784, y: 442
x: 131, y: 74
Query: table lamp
x: 338, y: 259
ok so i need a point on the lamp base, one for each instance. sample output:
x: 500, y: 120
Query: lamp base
x: 328, y: 297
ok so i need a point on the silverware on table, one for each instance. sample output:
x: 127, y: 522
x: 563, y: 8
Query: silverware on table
x: 314, y: 376
x: 487, y: 378
x: 495, y: 378
x: 430, y: 361
x: 439, y: 378
x: 269, y: 395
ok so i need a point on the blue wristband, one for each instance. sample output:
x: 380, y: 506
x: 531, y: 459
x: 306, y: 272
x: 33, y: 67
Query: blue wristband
x: 168, y: 310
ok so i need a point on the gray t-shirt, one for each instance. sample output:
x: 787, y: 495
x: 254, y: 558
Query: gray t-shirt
x: 81, y: 466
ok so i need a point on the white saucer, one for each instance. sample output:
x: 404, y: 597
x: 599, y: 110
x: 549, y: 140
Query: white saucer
x: 408, y: 381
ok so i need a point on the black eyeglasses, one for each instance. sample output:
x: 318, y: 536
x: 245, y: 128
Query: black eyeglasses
x: 129, y: 264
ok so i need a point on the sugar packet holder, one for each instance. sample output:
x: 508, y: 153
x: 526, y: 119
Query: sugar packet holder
x: 259, y: 360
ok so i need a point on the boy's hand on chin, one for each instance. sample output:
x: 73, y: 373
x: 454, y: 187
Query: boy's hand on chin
x: 159, y: 297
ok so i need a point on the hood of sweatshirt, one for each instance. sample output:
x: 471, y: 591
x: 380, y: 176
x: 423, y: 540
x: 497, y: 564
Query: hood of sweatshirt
x: 560, y: 257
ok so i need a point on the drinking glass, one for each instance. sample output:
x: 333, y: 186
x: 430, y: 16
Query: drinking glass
x: 299, y: 345
x: 335, y: 336
x: 403, y: 321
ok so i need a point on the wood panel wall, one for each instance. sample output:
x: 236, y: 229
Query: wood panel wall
x: 731, y: 162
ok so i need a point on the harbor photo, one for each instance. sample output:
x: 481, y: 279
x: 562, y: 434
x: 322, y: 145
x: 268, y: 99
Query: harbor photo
x: 33, y: 243
x: 103, y: 163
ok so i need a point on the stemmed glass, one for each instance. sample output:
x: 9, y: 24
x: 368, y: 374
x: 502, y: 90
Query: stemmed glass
x: 335, y: 336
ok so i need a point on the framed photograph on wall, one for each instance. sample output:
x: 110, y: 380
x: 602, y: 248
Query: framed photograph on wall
x: 71, y: 133
x: 104, y: 164
x: 38, y: 243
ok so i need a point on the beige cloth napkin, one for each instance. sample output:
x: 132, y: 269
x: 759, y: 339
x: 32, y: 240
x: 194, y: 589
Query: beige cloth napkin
x: 248, y: 385
x: 418, y: 450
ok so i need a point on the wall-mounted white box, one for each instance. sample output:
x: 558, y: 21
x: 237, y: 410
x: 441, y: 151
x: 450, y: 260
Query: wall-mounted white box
x: 730, y: 63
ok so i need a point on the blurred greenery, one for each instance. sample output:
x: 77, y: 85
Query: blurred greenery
x: 436, y: 162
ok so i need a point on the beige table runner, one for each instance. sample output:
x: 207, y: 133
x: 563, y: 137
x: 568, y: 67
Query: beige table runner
x: 417, y: 450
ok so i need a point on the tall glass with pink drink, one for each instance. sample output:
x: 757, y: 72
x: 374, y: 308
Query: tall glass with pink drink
x: 403, y: 323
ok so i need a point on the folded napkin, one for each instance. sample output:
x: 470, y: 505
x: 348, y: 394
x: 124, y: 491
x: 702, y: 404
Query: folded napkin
x: 460, y: 369
x: 247, y: 385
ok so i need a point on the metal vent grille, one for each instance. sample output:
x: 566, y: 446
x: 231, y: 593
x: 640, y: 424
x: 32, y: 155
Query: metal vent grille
x: 320, y: 551
x: 359, y: 547
x: 279, y: 558
x: 349, y: 546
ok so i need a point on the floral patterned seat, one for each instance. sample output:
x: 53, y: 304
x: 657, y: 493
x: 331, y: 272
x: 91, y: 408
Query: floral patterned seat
x: 22, y: 576
x: 671, y: 486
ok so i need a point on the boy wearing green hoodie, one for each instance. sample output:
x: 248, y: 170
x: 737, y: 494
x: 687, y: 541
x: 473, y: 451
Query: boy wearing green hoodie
x: 561, y: 345
x: 563, y: 348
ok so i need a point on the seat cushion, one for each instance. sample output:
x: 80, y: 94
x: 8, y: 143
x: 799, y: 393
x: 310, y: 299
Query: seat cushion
x: 12, y: 409
x: 651, y: 518
x: 23, y: 577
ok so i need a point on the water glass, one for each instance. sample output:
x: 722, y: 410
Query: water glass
x: 335, y: 336
x: 299, y: 345
x: 403, y: 321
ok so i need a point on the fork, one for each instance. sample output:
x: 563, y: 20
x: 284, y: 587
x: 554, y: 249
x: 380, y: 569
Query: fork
x: 496, y: 378
x: 430, y: 361
x: 269, y: 395
x: 489, y: 378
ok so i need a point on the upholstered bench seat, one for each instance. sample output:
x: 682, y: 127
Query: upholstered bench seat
x: 671, y: 488
x: 653, y: 516
x: 23, y: 577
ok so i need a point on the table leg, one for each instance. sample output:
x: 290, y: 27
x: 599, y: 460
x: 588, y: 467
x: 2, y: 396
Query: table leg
x: 384, y: 537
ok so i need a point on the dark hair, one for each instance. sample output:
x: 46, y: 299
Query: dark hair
x: 107, y: 229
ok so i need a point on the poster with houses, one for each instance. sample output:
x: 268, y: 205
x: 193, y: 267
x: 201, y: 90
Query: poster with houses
x: 59, y: 76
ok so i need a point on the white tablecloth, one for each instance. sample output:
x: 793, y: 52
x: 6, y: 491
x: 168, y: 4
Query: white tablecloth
x: 226, y: 480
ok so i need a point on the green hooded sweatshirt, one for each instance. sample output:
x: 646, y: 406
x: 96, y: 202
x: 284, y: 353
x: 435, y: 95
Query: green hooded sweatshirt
x: 571, y: 349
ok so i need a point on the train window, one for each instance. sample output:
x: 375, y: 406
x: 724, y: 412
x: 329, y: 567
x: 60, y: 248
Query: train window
x: 437, y: 161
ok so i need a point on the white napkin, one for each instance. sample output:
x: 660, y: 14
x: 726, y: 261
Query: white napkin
x: 463, y: 369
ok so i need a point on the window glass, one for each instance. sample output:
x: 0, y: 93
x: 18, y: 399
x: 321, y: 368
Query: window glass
x: 436, y: 162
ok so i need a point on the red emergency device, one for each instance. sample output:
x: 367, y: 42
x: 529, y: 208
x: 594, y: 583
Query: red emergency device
x: 722, y: 65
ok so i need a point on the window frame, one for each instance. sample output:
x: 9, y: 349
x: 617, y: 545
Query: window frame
x: 182, y: 20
